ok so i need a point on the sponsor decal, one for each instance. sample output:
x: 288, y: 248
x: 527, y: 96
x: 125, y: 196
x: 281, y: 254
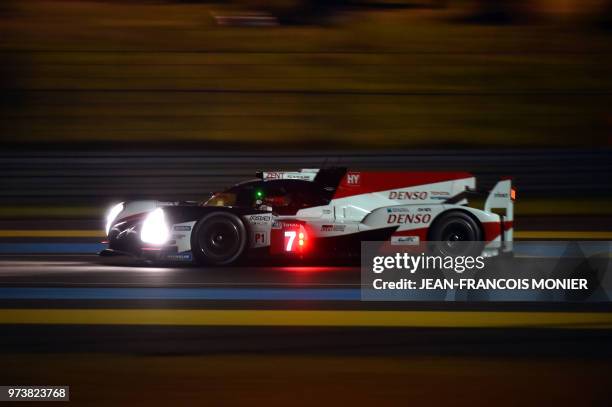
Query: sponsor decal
x: 404, y: 209
x: 326, y: 211
x: 417, y: 218
x: 277, y: 225
x: 289, y: 175
x: 180, y: 256
x: 500, y: 195
x: 181, y: 228
x: 305, y: 177
x: 289, y: 225
x: 333, y: 228
x: 408, y: 195
x: 176, y: 237
x: 400, y: 209
x: 273, y: 175
x: 405, y: 240
x: 353, y: 178
x: 259, y: 219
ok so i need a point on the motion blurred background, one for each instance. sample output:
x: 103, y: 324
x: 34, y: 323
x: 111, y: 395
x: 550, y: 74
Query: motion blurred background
x: 109, y: 100
x: 307, y: 73
x: 103, y: 101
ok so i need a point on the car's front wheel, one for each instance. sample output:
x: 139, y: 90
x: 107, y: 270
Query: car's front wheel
x: 218, y: 239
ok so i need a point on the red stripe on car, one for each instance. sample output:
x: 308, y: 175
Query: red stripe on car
x: 357, y: 183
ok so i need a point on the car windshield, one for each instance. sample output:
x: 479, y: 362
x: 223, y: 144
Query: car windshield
x: 285, y: 197
x: 244, y: 195
x: 221, y: 199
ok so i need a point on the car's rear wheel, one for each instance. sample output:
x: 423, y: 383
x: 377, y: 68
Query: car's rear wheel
x: 218, y: 239
x: 456, y: 234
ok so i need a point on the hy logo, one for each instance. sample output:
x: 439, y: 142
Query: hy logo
x: 353, y: 178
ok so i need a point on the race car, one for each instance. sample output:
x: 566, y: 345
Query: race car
x: 314, y: 212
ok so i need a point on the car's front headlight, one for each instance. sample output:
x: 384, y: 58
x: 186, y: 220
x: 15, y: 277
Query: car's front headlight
x: 154, y: 228
x: 112, y: 215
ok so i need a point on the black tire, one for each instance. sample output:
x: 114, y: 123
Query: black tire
x: 456, y: 234
x: 218, y: 239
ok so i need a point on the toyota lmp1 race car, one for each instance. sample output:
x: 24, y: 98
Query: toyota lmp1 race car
x: 314, y: 212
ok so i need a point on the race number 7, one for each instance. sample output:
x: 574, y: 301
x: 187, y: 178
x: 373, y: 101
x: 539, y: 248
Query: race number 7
x: 289, y: 239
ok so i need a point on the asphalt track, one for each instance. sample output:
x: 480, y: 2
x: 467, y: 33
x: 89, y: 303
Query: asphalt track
x: 88, y: 290
x: 123, y: 333
x: 89, y: 304
x: 31, y: 278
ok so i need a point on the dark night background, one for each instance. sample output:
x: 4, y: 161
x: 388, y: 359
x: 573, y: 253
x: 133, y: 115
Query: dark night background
x: 103, y: 101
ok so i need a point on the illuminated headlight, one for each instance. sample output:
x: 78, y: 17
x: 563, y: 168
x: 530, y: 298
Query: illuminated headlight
x: 112, y: 215
x: 154, y: 228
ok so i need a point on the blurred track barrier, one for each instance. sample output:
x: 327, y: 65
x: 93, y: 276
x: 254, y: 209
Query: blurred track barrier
x: 50, y: 212
x: 51, y: 248
x: 52, y: 233
x: 344, y: 318
x: 200, y: 294
x: 67, y: 183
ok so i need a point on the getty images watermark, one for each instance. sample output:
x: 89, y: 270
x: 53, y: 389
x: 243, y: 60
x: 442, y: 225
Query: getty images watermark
x: 479, y: 271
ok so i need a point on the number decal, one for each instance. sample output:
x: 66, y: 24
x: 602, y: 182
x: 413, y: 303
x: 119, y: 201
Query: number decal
x: 289, y: 238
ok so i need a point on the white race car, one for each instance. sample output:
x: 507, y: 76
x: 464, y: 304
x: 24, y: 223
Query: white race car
x: 315, y: 212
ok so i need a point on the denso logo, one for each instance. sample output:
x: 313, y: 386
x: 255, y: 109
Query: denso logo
x: 353, y: 178
x: 417, y: 218
x: 408, y: 195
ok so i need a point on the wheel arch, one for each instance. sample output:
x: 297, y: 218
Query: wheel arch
x: 219, y: 210
x: 240, y: 213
